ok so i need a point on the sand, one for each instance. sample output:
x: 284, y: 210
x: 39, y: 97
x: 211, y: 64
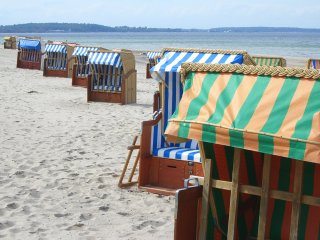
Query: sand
x: 61, y: 157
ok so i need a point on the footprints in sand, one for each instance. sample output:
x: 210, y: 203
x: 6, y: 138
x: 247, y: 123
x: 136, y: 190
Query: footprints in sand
x: 150, y: 223
x: 6, y: 224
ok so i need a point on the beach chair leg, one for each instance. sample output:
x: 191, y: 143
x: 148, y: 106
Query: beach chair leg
x: 205, y: 199
x: 296, y: 203
x: 234, y: 195
x: 264, y: 196
x: 124, y: 170
x: 134, y: 166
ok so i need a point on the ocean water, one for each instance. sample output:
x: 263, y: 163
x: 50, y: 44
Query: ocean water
x: 297, y: 45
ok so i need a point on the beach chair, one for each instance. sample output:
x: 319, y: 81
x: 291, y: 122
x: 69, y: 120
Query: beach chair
x: 313, y: 64
x: 58, y: 61
x: 112, y: 77
x: 10, y: 42
x: 80, y: 68
x: 153, y: 58
x: 270, y: 61
x: 29, y: 54
x: 258, y: 128
x: 164, y: 166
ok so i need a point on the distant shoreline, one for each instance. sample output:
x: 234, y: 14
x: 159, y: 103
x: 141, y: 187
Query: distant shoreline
x: 94, y: 28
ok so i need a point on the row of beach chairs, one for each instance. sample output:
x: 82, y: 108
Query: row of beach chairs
x: 109, y: 75
x: 235, y: 137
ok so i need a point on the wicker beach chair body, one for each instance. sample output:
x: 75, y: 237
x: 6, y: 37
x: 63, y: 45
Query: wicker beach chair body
x: 80, y: 69
x: 258, y: 128
x: 153, y: 58
x: 112, y: 76
x: 29, y: 54
x: 58, y: 60
x: 164, y: 166
x: 313, y: 64
x: 10, y: 42
x: 269, y: 61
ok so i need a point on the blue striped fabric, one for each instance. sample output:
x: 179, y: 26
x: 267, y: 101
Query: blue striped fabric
x: 105, y: 58
x: 315, y: 64
x: 55, y: 48
x: 167, y: 70
x: 106, y: 77
x: 81, y: 54
x: 178, y: 153
x: 57, y: 56
x: 152, y: 55
x: 83, y: 51
x: 172, y: 61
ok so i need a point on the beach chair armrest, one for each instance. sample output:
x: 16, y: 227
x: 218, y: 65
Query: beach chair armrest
x: 146, y: 134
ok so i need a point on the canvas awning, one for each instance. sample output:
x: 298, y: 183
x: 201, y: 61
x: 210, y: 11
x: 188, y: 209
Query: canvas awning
x: 105, y: 58
x: 172, y: 59
x: 55, y: 48
x: 271, y: 110
x: 152, y: 55
x: 30, y: 44
x: 83, y: 51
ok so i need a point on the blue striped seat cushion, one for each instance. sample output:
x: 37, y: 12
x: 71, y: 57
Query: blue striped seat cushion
x: 177, y: 153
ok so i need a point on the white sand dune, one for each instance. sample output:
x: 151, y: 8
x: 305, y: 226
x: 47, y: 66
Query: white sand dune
x: 61, y: 157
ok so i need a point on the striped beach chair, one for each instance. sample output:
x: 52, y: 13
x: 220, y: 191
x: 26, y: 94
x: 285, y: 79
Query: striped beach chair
x: 29, y: 54
x: 270, y: 61
x: 81, y: 66
x: 112, y: 76
x: 161, y: 169
x: 58, y: 61
x: 258, y: 129
x: 153, y: 58
x: 313, y: 64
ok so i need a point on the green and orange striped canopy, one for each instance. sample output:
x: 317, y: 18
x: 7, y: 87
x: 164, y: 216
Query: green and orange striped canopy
x: 271, y: 110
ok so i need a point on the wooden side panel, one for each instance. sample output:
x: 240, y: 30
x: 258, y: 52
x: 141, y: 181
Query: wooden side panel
x: 186, y: 213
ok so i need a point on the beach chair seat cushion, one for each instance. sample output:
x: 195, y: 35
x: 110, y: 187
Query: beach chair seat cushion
x: 177, y: 153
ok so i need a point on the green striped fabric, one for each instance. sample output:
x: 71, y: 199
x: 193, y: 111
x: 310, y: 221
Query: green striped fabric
x: 269, y: 61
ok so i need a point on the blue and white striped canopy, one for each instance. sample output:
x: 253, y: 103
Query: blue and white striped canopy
x: 55, y: 48
x: 152, y: 55
x: 105, y: 58
x: 83, y: 51
x: 172, y: 61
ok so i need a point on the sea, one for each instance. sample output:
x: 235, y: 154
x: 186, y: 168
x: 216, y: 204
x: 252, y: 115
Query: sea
x: 293, y: 45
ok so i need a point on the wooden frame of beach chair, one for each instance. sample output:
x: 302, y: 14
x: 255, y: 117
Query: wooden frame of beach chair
x: 114, y: 81
x: 29, y: 54
x: 270, y: 61
x: 313, y: 64
x: 153, y: 58
x: 131, y: 148
x: 286, y: 177
x: 59, y: 61
x: 160, y: 172
x: 80, y: 69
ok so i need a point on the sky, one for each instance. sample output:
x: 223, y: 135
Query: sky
x: 201, y: 14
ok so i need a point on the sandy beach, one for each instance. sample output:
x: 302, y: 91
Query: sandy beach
x: 61, y: 157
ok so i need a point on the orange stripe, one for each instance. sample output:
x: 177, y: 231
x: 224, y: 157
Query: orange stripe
x: 263, y: 110
x: 209, y: 108
x: 232, y: 110
x: 191, y: 94
x: 312, y: 153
